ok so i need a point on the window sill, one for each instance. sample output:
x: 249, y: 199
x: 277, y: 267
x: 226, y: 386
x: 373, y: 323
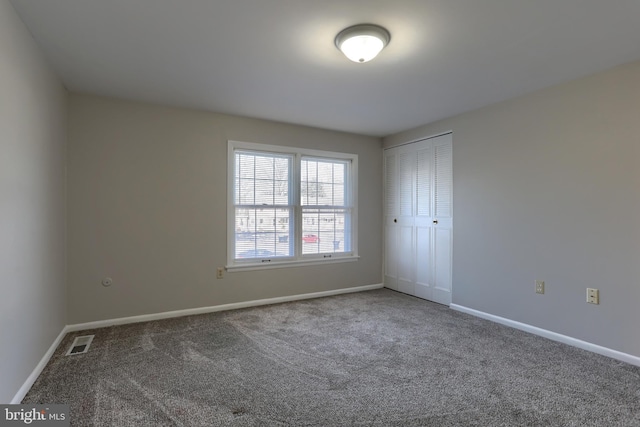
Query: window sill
x: 289, y: 263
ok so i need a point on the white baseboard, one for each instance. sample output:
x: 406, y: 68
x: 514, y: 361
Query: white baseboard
x: 38, y: 369
x: 212, y: 309
x: 614, y: 354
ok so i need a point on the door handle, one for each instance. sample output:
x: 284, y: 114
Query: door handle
x: 395, y: 219
x: 435, y: 221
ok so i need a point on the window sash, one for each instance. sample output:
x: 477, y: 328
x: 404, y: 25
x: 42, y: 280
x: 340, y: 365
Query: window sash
x: 325, y: 231
x: 265, y: 183
x: 324, y: 182
x: 263, y: 233
x: 262, y: 199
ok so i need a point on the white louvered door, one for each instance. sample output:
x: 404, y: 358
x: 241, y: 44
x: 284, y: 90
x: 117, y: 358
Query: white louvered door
x: 419, y: 218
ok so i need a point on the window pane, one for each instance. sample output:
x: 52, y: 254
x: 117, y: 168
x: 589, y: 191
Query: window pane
x: 325, y: 231
x: 245, y: 165
x: 325, y: 193
x: 338, y: 194
x: 339, y: 170
x: 263, y: 233
x: 264, y: 192
x: 264, y: 167
x: 281, y: 177
x: 281, y: 196
x: 325, y: 172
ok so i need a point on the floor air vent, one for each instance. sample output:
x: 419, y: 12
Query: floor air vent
x: 80, y: 345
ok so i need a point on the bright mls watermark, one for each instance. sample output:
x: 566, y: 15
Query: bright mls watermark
x: 36, y: 415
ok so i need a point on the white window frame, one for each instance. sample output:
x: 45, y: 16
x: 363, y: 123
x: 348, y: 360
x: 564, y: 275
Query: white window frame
x: 298, y: 259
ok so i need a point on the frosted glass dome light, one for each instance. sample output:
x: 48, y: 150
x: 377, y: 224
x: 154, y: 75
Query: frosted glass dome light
x: 362, y: 43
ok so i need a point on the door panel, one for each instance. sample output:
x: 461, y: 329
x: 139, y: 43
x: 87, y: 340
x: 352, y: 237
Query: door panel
x: 442, y: 266
x: 443, y: 223
x: 406, y: 260
x: 423, y: 182
x: 423, y: 262
x: 391, y: 213
x: 391, y: 258
x: 443, y: 181
x: 405, y: 176
x: 391, y: 185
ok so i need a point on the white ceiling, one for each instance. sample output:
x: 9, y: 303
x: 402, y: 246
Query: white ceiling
x: 276, y: 59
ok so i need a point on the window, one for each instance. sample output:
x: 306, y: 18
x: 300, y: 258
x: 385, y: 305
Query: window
x: 325, y: 214
x: 290, y: 206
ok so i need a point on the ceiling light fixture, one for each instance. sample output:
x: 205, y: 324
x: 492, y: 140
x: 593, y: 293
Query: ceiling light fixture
x: 363, y: 42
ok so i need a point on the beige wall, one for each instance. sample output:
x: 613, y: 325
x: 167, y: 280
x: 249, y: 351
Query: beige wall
x: 32, y: 204
x: 147, y: 207
x: 547, y: 186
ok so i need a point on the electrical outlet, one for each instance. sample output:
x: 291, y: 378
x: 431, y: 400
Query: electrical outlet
x: 539, y: 287
x: 220, y: 273
x: 593, y: 296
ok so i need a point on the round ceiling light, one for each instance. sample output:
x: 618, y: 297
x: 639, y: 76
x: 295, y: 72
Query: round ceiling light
x: 362, y: 43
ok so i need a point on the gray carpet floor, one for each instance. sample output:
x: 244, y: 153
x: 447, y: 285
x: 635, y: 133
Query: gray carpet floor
x: 375, y: 358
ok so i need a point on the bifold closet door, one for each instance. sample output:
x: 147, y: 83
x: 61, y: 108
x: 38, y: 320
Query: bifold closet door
x: 419, y: 218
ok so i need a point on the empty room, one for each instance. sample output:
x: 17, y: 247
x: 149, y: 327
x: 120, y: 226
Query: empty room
x: 297, y: 213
